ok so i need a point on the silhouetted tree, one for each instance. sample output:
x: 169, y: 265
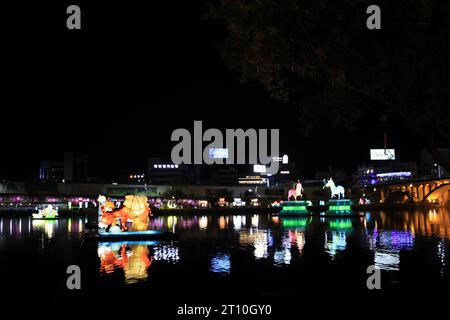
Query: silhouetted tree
x: 320, y: 56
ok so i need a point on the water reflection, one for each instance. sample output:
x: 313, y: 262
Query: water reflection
x: 46, y: 227
x: 255, y: 220
x: 209, y: 245
x: 221, y: 264
x: 336, y: 235
x: 283, y: 255
x: 14, y: 227
x: 434, y: 222
x: 223, y: 222
x: 341, y: 224
x: 293, y: 238
x: 387, y: 259
x: 134, y: 258
x: 385, y: 235
x: 258, y: 239
x: 203, y: 223
x: 75, y: 226
x: 239, y: 222
x: 335, y: 242
x: 166, y: 252
x: 131, y: 257
x: 441, y: 255
x: 387, y: 246
x: 296, y: 223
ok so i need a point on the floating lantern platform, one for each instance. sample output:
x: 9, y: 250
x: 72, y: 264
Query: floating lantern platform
x: 294, y: 208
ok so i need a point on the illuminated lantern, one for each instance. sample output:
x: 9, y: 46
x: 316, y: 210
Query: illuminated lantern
x: 137, y: 209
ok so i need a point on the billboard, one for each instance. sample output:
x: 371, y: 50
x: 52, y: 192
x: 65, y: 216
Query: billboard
x: 382, y: 154
x: 284, y: 159
x: 218, y: 153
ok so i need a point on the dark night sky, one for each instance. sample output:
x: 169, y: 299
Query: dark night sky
x: 135, y: 72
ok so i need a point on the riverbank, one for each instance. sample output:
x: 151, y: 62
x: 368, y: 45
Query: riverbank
x: 395, y: 206
x: 230, y: 211
x: 215, y: 211
x: 161, y: 212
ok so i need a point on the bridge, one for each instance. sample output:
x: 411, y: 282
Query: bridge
x: 422, y: 190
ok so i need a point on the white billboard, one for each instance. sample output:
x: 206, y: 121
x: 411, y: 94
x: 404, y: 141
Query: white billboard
x: 382, y: 154
x: 218, y: 153
x: 259, y: 168
x: 284, y: 159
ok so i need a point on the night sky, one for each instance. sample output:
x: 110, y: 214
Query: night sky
x: 134, y: 73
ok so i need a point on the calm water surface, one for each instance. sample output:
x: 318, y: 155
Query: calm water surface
x: 242, y: 256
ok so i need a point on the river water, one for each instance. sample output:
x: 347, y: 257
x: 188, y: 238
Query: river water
x: 239, y: 256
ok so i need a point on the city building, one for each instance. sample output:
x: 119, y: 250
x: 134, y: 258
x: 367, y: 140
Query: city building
x: 136, y: 178
x: 429, y: 167
x: 75, y: 167
x: 164, y: 172
x: 224, y: 174
x: 287, y: 172
x: 392, y: 172
x: 161, y: 171
x: 254, y: 180
x: 51, y: 171
x: 12, y: 187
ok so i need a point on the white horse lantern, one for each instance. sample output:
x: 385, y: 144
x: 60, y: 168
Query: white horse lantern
x: 338, y: 191
x: 297, y: 191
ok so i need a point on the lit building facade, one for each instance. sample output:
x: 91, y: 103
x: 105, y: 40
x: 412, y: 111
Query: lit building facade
x: 430, y: 168
x: 396, y: 172
x: 51, y: 171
